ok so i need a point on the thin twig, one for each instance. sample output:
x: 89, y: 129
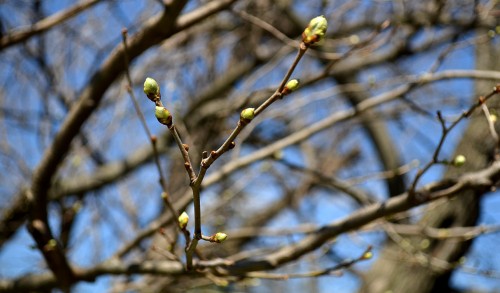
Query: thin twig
x: 184, y: 148
x: 446, y: 130
x: 152, y: 139
x: 207, y: 161
x: 493, y: 131
x: 45, y: 24
x: 328, y: 271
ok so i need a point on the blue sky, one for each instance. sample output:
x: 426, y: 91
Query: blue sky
x: 18, y: 257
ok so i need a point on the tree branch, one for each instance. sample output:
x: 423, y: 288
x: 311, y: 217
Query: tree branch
x: 43, y: 25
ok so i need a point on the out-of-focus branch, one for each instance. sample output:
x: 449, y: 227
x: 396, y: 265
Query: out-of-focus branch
x: 343, y: 116
x: 112, y: 267
x: 43, y: 25
x: 154, y: 31
x: 480, y: 181
x: 446, y: 130
x: 463, y: 233
x: 112, y: 171
x: 367, y: 254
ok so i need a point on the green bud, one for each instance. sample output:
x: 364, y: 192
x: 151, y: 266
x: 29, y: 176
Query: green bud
x: 425, y: 243
x: 315, y: 31
x: 51, y: 245
x: 459, y: 161
x: 183, y: 220
x: 163, y: 115
x: 220, y: 237
x: 248, y: 114
x: 151, y: 88
x: 291, y: 86
x: 164, y: 195
x: 367, y: 255
x: 278, y: 155
x: 77, y: 207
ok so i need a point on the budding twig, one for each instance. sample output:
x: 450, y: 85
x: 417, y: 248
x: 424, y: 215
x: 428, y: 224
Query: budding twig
x: 445, y: 131
x: 314, y: 33
x: 152, y: 138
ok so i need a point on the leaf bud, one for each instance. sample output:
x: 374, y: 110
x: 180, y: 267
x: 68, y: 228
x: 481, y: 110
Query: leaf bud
x: 459, y: 161
x: 367, y: 255
x: 50, y: 245
x: 248, y: 114
x: 315, y: 31
x: 163, y: 115
x: 151, y: 89
x: 183, y: 220
x: 291, y: 86
x: 220, y: 237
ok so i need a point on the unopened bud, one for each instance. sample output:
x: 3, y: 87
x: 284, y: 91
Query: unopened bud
x: 291, y: 86
x: 248, y: 114
x: 459, y: 161
x: 151, y: 89
x: 367, y: 255
x: 220, y: 237
x: 51, y: 245
x: 183, y: 220
x: 163, y: 115
x: 315, y: 31
x: 77, y: 207
x: 164, y: 195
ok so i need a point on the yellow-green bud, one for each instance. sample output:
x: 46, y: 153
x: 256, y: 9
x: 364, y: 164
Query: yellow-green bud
x: 51, y: 245
x: 248, y: 114
x: 164, y: 195
x: 151, y: 88
x: 425, y: 243
x: 183, y: 220
x: 77, y: 207
x: 459, y: 161
x: 220, y: 237
x: 367, y: 255
x: 315, y: 31
x: 291, y: 86
x: 163, y: 115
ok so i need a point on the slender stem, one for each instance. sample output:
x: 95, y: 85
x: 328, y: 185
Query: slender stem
x: 129, y: 86
x: 491, y: 125
x: 242, y: 123
x: 228, y: 143
x: 207, y: 160
x: 184, y: 151
x: 190, y: 250
x: 152, y: 139
x: 196, y: 188
x: 197, y: 212
x: 277, y: 94
x: 446, y: 130
x: 302, y: 50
